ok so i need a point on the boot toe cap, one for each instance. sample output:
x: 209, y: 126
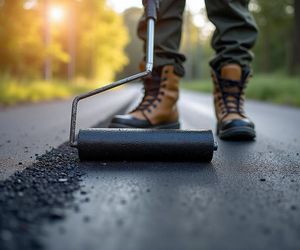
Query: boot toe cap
x: 237, y: 123
x: 128, y: 121
x: 237, y: 129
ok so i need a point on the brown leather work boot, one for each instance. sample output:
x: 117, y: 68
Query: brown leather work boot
x: 229, y: 98
x: 158, y: 107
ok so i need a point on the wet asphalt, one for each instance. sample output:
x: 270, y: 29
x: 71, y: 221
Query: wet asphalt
x: 247, y: 198
x: 29, y: 130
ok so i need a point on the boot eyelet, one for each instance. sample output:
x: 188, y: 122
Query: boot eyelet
x: 166, y: 71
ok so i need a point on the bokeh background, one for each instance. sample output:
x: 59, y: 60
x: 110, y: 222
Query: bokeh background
x: 54, y: 49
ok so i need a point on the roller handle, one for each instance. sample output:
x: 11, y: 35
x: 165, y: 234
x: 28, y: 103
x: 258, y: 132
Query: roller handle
x: 151, y: 8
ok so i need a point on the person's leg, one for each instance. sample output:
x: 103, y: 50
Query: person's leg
x: 168, y: 31
x: 235, y: 35
x: 158, y: 107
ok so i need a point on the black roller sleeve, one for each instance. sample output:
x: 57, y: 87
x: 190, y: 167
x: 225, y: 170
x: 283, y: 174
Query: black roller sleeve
x: 145, y: 145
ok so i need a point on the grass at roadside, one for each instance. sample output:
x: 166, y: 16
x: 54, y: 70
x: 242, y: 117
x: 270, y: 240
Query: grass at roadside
x: 275, y: 88
x: 13, y: 91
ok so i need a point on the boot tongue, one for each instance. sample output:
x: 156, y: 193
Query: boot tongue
x: 231, y: 72
x: 152, y: 84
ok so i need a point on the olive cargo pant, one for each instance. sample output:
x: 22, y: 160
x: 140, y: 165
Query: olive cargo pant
x: 235, y: 33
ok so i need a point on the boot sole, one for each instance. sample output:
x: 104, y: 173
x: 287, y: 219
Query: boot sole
x: 162, y: 126
x: 237, y: 134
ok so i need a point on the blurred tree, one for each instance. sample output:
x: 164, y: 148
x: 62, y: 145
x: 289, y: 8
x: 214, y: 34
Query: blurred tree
x: 94, y: 34
x: 134, y: 49
x: 275, y: 21
x: 295, y: 66
x: 196, y: 48
x: 101, y: 39
x: 21, y: 48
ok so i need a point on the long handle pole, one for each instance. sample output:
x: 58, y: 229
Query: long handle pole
x: 148, y: 71
x: 151, y: 7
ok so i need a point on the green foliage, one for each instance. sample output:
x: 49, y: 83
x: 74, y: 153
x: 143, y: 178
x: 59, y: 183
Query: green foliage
x: 20, y: 42
x: 134, y: 49
x: 98, y: 34
x: 101, y: 37
x: 274, y: 47
x: 201, y: 85
x: 276, y: 88
x: 13, y: 91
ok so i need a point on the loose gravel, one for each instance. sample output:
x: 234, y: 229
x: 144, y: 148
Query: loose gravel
x: 38, y: 194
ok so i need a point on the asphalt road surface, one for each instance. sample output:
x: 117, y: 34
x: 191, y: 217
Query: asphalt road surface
x: 247, y: 198
x: 30, y: 130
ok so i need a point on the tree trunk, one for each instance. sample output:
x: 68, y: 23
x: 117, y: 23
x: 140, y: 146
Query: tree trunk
x: 71, y: 42
x: 295, y: 67
x: 47, y: 42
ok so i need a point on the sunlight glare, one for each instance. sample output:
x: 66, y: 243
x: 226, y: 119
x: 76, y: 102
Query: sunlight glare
x: 56, y: 13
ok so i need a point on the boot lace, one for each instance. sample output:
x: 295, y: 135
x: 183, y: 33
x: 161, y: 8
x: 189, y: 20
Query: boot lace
x: 152, y: 92
x: 233, y: 93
